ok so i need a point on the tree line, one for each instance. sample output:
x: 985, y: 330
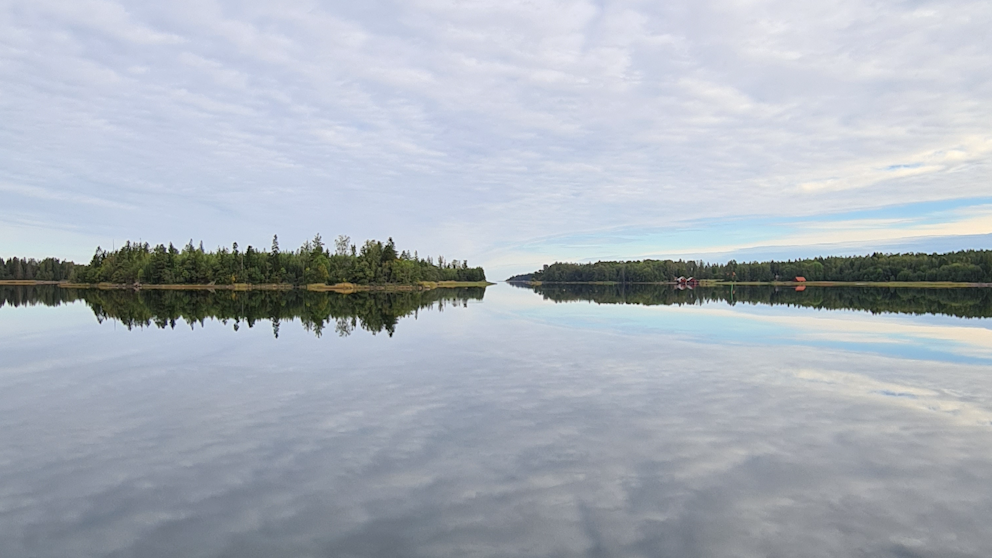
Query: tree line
x: 48, y: 269
x: 967, y: 266
x: 375, y: 263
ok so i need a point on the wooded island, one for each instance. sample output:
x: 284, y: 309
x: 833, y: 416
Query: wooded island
x: 313, y: 264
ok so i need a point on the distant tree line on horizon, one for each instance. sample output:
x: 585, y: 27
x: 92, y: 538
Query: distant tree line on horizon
x: 968, y: 266
x: 375, y: 263
x: 48, y: 269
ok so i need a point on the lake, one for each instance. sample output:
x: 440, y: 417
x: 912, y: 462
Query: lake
x: 551, y: 421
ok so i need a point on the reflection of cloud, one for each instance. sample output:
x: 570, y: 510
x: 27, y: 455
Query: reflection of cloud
x: 527, y: 441
x: 853, y: 327
x: 922, y: 399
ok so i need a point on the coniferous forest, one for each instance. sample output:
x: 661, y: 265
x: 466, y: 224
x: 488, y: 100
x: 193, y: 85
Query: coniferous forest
x: 48, y: 269
x: 968, y: 266
x: 375, y: 263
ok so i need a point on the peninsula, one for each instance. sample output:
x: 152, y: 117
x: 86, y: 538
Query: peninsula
x: 967, y: 267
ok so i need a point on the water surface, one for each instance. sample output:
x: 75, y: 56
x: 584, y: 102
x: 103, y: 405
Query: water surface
x: 496, y: 423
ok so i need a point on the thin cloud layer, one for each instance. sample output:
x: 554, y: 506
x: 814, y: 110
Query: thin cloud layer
x: 476, y: 129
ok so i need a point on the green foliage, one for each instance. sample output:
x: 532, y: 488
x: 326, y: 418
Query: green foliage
x: 48, y: 269
x: 374, y: 312
x: 375, y: 264
x: 968, y: 266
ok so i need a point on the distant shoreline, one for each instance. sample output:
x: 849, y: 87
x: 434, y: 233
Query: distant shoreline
x: 714, y: 283
x: 342, y: 288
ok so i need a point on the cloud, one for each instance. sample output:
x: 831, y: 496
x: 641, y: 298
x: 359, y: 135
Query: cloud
x: 39, y: 193
x: 944, y: 226
x: 505, y: 122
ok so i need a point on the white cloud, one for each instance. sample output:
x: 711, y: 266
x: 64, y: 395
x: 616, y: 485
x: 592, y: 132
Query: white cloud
x: 505, y: 122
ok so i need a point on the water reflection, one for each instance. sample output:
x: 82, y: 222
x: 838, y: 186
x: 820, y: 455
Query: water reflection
x: 959, y: 302
x: 374, y: 312
x: 561, y: 436
x: 934, y: 324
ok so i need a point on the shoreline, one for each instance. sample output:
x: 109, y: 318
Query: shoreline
x: 719, y: 283
x: 341, y: 288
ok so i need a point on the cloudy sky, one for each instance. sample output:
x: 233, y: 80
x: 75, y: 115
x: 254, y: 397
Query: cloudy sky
x: 510, y: 133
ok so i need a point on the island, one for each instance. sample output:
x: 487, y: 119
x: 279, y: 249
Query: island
x: 376, y: 266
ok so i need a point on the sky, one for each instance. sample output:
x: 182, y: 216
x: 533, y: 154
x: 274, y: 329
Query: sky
x: 507, y: 133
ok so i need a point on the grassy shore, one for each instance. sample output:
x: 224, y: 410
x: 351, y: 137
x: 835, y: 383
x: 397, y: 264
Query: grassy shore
x: 715, y: 283
x: 338, y: 288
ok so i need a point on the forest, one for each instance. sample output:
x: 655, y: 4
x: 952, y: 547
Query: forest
x: 963, y: 303
x: 48, y: 269
x: 375, y: 263
x: 967, y: 266
x: 373, y: 312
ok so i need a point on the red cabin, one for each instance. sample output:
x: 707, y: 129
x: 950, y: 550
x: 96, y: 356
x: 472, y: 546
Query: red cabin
x: 800, y: 279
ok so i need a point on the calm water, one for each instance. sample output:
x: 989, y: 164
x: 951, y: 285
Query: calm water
x: 581, y: 422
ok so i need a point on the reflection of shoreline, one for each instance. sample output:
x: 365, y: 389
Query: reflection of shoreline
x: 963, y: 303
x: 712, y: 283
x: 373, y: 311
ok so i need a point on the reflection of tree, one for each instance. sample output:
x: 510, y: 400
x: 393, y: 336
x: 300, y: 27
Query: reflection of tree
x: 45, y: 295
x: 961, y: 302
x: 344, y: 326
x: 374, y: 312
